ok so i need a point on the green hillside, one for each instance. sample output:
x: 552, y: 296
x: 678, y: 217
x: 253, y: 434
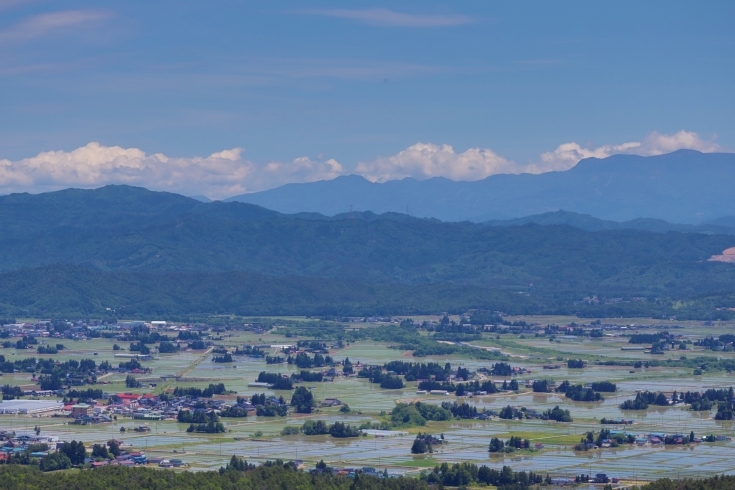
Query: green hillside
x: 77, y: 290
x: 247, y: 256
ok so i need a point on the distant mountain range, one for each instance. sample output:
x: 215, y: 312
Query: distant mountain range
x: 685, y: 186
x: 724, y: 226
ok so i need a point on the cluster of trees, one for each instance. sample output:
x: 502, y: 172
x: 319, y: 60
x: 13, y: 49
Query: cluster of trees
x: 140, y: 347
x: 417, y: 414
x: 464, y: 474
x: 313, y: 346
x: 105, y: 451
x: 73, y: 450
x: 475, y: 386
x: 725, y: 410
x: 275, y: 379
x: 704, y: 400
x: 511, y: 385
x: 717, y: 482
x: 461, y: 389
x: 227, y: 357
x: 189, y: 335
x: 419, y: 370
x: 143, y: 335
x: 207, y: 422
x: 579, y: 393
x: 50, y: 349
x: 307, y: 377
x: 237, y: 474
x: 131, y: 365
x: 604, y: 435
x: 501, y: 369
x: 168, y: 347
x: 55, y: 461
x: 337, y: 429
x: 643, y: 399
x: 575, y: 363
x: 509, y: 446
x: 460, y: 410
x: 272, y: 410
x: 193, y: 416
x: 208, y: 392
x: 541, y: 386
x: 424, y: 443
x: 267, y: 408
x: 302, y: 400
x: 87, y: 394
x: 250, y: 351
x: 235, y: 411
x: 723, y: 342
x: 604, y: 386
x: 347, y: 368
x: 55, y: 375
x: 11, y: 392
x: 648, y: 338
x: 557, y: 414
x: 510, y: 413
x: 302, y: 360
x: 23, y: 343
x: 376, y: 375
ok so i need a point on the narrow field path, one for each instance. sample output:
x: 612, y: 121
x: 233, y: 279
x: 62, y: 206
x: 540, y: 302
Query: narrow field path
x: 194, y: 364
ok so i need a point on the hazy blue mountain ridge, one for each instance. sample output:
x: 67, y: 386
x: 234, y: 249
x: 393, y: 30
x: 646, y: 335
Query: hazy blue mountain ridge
x: 683, y: 187
x: 590, y: 223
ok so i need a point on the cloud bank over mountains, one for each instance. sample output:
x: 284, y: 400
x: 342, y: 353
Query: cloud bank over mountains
x: 567, y: 155
x: 227, y: 173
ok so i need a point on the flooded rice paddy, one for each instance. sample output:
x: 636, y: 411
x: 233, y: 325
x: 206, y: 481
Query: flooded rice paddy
x: 258, y: 438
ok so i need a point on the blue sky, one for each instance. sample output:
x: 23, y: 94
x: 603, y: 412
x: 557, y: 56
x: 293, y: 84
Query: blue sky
x: 317, y: 88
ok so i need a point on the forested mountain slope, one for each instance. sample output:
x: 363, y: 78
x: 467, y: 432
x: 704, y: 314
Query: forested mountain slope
x: 132, y: 231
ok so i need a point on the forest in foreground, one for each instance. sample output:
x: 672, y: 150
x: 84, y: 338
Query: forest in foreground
x: 278, y: 475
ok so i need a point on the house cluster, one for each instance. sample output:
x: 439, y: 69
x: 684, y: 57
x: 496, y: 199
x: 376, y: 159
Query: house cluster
x: 13, y: 443
x: 152, y: 407
x: 515, y: 371
x: 124, y: 458
x: 366, y: 319
x: 346, y: 472
x: 83, y: 329
x: 147, y: 407
x: 654, y: 439
x: 599, y: 478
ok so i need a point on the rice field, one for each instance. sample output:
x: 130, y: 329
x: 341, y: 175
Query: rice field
x: 258, y: 438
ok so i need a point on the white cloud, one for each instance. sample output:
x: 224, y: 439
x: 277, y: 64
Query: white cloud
x: 52, y: 22
x: 426, y: 160
x: 567, y: 155
x: 390, y: 18
x: 227, y: 173
x: 222, y: 174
